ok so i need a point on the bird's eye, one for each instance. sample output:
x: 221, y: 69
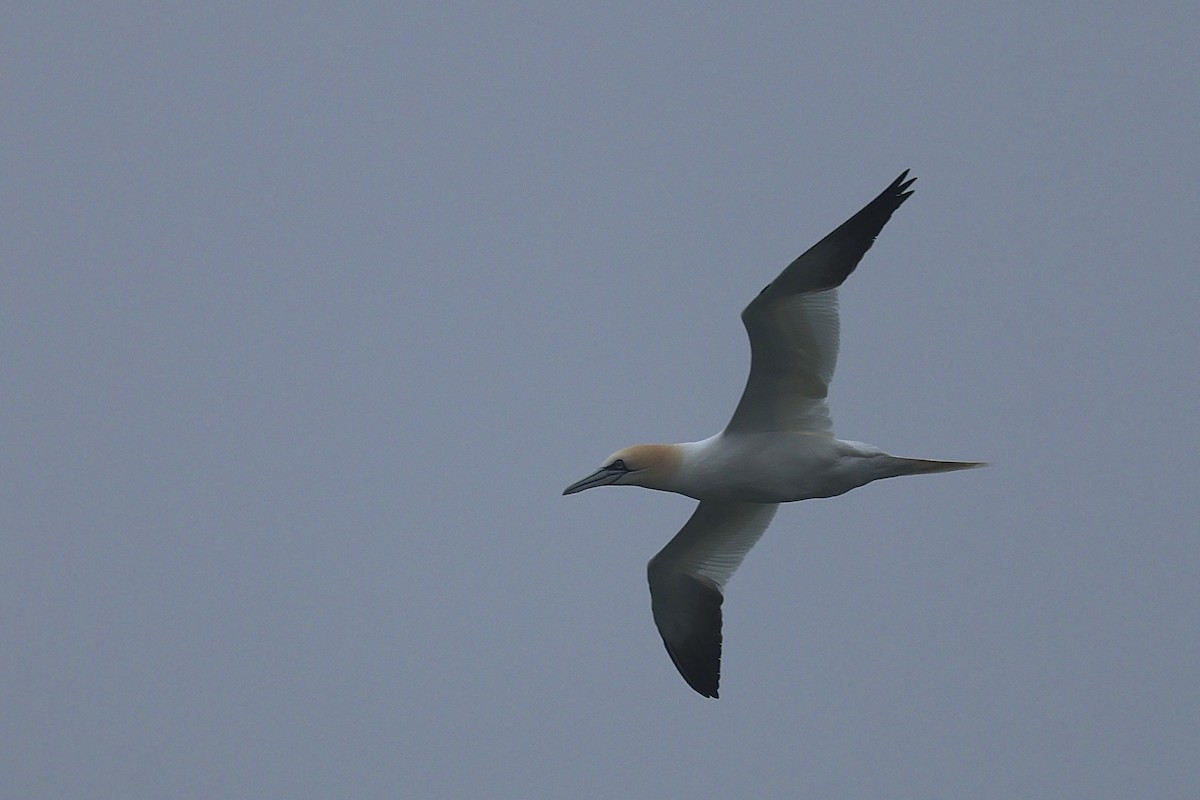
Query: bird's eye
x: 619, y: 465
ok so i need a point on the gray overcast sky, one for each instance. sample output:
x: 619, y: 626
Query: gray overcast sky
x: 309, y: 315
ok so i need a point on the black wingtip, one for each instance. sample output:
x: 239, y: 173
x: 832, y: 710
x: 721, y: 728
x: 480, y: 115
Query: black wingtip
x: 900, y: 187
x: 703, y: 675
x: 696, y: 652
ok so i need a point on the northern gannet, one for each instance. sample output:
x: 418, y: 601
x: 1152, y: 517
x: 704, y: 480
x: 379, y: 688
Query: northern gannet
x: 779, y: 446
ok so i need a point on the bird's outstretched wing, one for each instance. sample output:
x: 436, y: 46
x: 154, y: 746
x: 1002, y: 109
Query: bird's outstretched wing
x: 686, y: 579
x: 793, y: 326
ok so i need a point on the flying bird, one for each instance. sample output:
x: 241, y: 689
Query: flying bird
x: 779, y: 446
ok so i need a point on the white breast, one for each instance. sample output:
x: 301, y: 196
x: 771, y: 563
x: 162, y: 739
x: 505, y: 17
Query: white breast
x: 777, y: 467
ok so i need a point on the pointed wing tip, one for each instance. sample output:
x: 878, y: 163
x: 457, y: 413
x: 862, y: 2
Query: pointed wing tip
x: 704, y: 678
x: 687, y: 612
x: 702, y: 673
x: 900, y: 186
x: 704, y: 685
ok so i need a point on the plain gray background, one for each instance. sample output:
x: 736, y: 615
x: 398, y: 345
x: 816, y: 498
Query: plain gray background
x: 310, y: 312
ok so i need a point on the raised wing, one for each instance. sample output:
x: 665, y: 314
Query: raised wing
x: 686, y: 579
x: 793, y: 326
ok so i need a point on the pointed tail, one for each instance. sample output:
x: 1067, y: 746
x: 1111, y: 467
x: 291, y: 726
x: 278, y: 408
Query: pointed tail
x: 920, y: 466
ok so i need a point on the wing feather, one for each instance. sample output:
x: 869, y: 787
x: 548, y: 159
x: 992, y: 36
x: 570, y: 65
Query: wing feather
x: 687, y: 576
x: 793, y: 326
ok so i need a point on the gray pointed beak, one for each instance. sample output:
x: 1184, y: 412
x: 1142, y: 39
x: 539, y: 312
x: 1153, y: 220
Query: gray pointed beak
x: 601, y: 477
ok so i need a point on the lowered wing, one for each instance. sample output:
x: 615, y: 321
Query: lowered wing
x: 686, y: 579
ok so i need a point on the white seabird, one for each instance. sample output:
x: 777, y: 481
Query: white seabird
x: 778, y: 448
